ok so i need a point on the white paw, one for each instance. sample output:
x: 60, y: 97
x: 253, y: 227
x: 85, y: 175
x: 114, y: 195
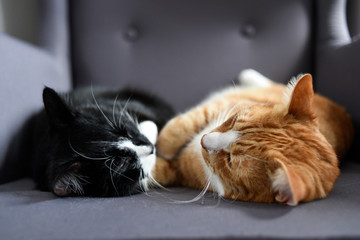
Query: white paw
x: 149, y: 130
x: 251, y: 78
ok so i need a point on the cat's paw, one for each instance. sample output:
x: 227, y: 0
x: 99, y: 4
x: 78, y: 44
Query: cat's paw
x: 169, y: 141
x: 149, y: 130
x: 251, y: 78
x: 166, y: 148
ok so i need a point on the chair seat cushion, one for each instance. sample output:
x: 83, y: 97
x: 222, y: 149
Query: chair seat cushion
x: 31, y: 214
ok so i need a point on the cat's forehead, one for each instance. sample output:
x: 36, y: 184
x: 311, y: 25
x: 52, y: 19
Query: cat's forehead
x: 259, y: 113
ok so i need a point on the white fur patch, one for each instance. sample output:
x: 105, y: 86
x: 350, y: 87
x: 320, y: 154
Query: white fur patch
x: 216, y: 141
x: 280, y: 183
x: 146, y: 155
x: 279, y: 180
x: 148, y: 163
x: 252, y: 78
x: 215, y: 181
x: 149, y: 130
x: 141, y: 151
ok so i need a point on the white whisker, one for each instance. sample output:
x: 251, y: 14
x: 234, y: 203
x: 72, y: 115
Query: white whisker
x: 123, y: 110
x: 98, y: 106
x: 157, y: 184
x: 198, y: 197
x: 74, y: 183
x: 255, y: 158
x: 111, y: 176
x: 83, y: 155
x: 113, y: 170
x: 114, y: 105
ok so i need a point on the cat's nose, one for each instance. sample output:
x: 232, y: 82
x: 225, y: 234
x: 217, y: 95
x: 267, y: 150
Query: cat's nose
x: 145, y: 151
x: 215, y: 141
x: 202, y: 142
x: 208, y: 142
x: 152, y: 150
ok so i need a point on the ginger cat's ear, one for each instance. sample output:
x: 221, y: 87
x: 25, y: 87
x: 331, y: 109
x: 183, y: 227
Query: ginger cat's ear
x: 288, y: 186
x: 301, y: 100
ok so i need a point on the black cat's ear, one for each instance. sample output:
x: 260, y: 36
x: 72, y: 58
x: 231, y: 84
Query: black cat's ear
x: 69, y: 182
x: 57, y: 111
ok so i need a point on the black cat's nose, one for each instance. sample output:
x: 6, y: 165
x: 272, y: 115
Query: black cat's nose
x: 144, y: 151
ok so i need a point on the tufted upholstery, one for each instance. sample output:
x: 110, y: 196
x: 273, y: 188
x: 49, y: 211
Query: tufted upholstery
x: 181, y: 50
x: 188, y: 47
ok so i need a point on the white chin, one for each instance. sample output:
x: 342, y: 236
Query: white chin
x: 148, y: 163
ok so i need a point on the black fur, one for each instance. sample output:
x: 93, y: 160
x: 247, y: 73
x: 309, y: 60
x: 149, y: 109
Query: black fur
x: 72, y: 141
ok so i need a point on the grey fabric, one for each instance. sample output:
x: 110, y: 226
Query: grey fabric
x: 24, y: 71
x: 183, y: 50
x: 338, y: 57
x: 29, y: 214
x: 54, y: 35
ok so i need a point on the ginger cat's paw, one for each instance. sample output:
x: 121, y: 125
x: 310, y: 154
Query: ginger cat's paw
x: 169, y: 141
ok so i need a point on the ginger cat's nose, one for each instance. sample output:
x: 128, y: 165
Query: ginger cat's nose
x: 202, y: 142
x: 215, y: 141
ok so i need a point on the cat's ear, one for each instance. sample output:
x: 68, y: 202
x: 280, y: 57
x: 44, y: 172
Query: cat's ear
x: 58, y: 113
x: 287, y: 185
x: 69, y: 182
x: 301, y: 99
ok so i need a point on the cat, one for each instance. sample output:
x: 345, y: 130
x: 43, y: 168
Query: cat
x: 90, y: 142
x: 260, y: 142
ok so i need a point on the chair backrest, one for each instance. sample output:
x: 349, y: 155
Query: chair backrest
x: 182, y: 50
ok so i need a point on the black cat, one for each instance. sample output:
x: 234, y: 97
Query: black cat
x: 90, y: 142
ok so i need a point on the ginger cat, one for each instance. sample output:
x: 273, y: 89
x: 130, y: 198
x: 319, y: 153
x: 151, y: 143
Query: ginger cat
x: 260, y: 142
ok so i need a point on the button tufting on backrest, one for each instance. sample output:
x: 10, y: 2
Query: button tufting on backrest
x: 197, y: 46
x: 248, y: 31
x: 132, y: 34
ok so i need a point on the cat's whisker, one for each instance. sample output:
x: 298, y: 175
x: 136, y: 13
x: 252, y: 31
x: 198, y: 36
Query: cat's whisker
x: 157, y: 184
x: 230, y: 112
x: 83, y: 155
x: 103, y: 142
x: 114, y: 105
x: 115, y: 171
x: 82, y: 178
x: 233, y: 82
x: 255, y: 158
x: 220, y: 119
x: 240, y: 162
x: 132, y: 118
x: 74, y: 183
x: 201, y: 194
x: 111, y: 124
x: 142, y: 185
x: 111, y: 176
x: 123, y: 110
x: 224, y: 115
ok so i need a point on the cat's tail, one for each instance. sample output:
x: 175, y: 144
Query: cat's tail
x: 251, y: 78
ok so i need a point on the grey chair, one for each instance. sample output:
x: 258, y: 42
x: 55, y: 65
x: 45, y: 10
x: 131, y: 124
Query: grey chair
x: 181, y: 50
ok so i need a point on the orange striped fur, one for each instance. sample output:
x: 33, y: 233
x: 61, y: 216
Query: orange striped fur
x: 254, y: 144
